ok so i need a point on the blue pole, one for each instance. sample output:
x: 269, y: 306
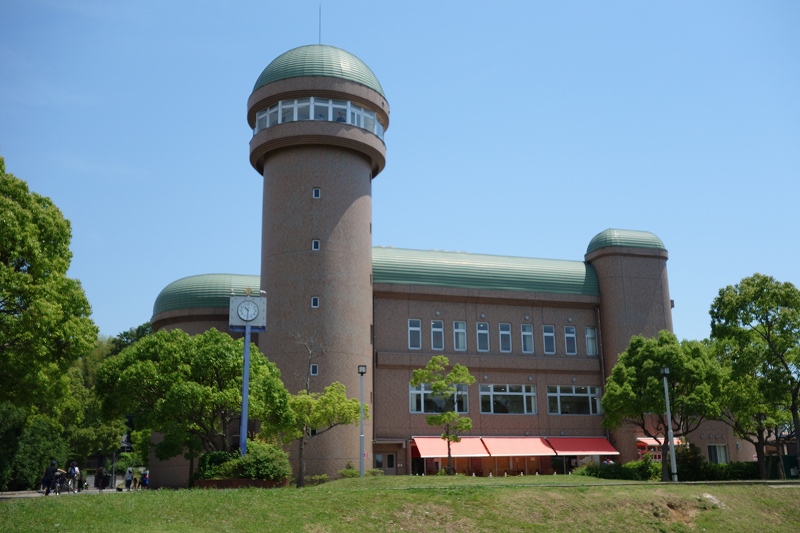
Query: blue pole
x: 245, y: 392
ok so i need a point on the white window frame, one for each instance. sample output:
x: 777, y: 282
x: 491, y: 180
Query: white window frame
x: 526, y: 338
x: 315, y: 245
x: 494, y: 395
x: 418, y: 395
x: 316, y: 193
x: 560, y: 398
x: 482, y: 333
x: 570, y: 337
x: 315, y: 302
x: 591, y: 341
x: 504, y: 329
x: 549, y: 332
x: 313, y: 370
x: 437, y: 327
x: 460, y: 335
x: 414, y: 333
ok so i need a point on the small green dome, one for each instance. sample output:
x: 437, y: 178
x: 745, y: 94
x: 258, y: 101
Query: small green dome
x: 319, y: 60
x: 625, y: 237
x: 203, y: 291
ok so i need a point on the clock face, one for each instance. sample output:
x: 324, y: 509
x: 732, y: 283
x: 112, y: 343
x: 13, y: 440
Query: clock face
x: 247, y: 310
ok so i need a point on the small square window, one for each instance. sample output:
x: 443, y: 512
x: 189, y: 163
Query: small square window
x: 315, y: 301
x: 314, y: 370
x: 316, y: 192
x: 315, y: 244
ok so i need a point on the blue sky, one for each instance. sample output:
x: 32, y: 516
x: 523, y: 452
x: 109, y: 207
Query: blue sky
x: 517, y: 128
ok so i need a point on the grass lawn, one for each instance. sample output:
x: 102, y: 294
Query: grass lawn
x: 429, y: 504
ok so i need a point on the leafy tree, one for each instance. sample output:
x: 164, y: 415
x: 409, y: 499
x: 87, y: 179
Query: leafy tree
x: 443, y: 385
x: 635, y: 389
x: 759, y: 322
x: 44, y: 315
x: 315, y: 414
x: 188, y: 388
x: 129, y: 337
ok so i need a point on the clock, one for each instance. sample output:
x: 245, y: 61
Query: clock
x: 247, y: 310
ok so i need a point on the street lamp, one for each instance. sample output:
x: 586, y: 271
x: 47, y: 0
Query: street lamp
x: 362, y: 369
x: 665, y: 373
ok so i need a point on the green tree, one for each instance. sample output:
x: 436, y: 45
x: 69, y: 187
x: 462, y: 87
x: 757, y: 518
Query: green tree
x: 189, y: 389
x: 129, y: 337
x: 635, y: 389
x: 759, y: 321
x: 44, y: 315
x: 443, y: 385
x: 315, y: 414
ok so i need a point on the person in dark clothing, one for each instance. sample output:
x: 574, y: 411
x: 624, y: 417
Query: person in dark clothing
x: 49, y: 474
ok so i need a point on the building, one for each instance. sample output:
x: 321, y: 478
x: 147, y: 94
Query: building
x: 540, y: 335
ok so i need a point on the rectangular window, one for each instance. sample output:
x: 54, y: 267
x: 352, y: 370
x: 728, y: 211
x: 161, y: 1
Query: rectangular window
x: 414, y: 334
x: 483, y: 336
x: 526, y: 331
x: 508, y: 399
x: 422, y: 400
x: 315, y: 301
x: 315, y: 244
x: 459, y: 336
x: 718, y: 454
x: 316, y: 192
x: 505, y: 338
x: 570, y: 341
x: 591, y: 341
x: 549, y: 339
x: 314, y: 370
x: 437, y: 334
x: 569, y: 400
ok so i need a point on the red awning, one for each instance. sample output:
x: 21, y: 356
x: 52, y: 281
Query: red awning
x: 437, y: 447
x: 646, y: 441
x: 517, y: 446
x: 581, y: 446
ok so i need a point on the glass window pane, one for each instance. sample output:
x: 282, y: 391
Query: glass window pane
x: 303, y: 108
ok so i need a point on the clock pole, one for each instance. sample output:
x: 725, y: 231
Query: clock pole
x: 247, y: 314
x: 245, y: 392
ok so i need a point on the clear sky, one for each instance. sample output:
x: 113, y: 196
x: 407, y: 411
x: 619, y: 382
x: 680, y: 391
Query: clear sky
x: 517, y: 128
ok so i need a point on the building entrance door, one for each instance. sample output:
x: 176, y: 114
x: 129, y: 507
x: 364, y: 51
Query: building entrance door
x: 386, y: 462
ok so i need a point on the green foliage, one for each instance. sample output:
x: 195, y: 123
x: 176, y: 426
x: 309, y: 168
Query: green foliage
x: 44, y: 318
x: 129, y: 337
x: 635, y: 389
x: 349, y: 473
x: 263, y: 460
x: 690, y: 462
x: 39, y: 443
x: 756, y: 325
x: 443, y: 385
x: 374, y: 472
x: 189, y: 389
x: 315, y: 414
x: 319, y: 479
x: 643, y: 470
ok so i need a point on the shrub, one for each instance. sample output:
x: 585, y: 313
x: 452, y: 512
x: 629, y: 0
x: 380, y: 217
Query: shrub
x: 209, y: 463
x: 262, y: 461
x: 374, y: 472
x: 320, y: 479
x: 349, y: 471
x: 730, y: 471
x: 690, y: 462
x: 644, y: 470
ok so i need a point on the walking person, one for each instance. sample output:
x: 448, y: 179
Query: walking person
x: 128, y: 479
x: 49, y: 475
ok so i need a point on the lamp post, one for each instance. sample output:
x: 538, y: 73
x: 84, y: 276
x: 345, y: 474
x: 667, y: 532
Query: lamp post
x: 362, y: 369
x: 665, y: 373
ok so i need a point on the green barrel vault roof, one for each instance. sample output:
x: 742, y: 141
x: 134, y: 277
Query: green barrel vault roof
x: 409, y: 267
x: 625, y: 237
x: 476, y: 271
x: 203, y: 291
x: 319, y: 60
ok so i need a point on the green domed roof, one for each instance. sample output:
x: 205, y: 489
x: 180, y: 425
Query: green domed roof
x: 319, y: 60
x: 207, y: 290
x: 625, y: 237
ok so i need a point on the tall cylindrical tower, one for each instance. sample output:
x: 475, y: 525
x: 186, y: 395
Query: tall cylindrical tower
x: 318, y: 115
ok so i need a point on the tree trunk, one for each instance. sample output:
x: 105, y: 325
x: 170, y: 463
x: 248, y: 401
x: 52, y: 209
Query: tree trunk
x: 665, y: 473
x: 301, y: 471
x: 761, y: 444
x: 191, y: 471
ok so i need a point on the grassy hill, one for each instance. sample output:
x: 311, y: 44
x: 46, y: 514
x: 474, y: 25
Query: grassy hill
x: 429, y: 504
